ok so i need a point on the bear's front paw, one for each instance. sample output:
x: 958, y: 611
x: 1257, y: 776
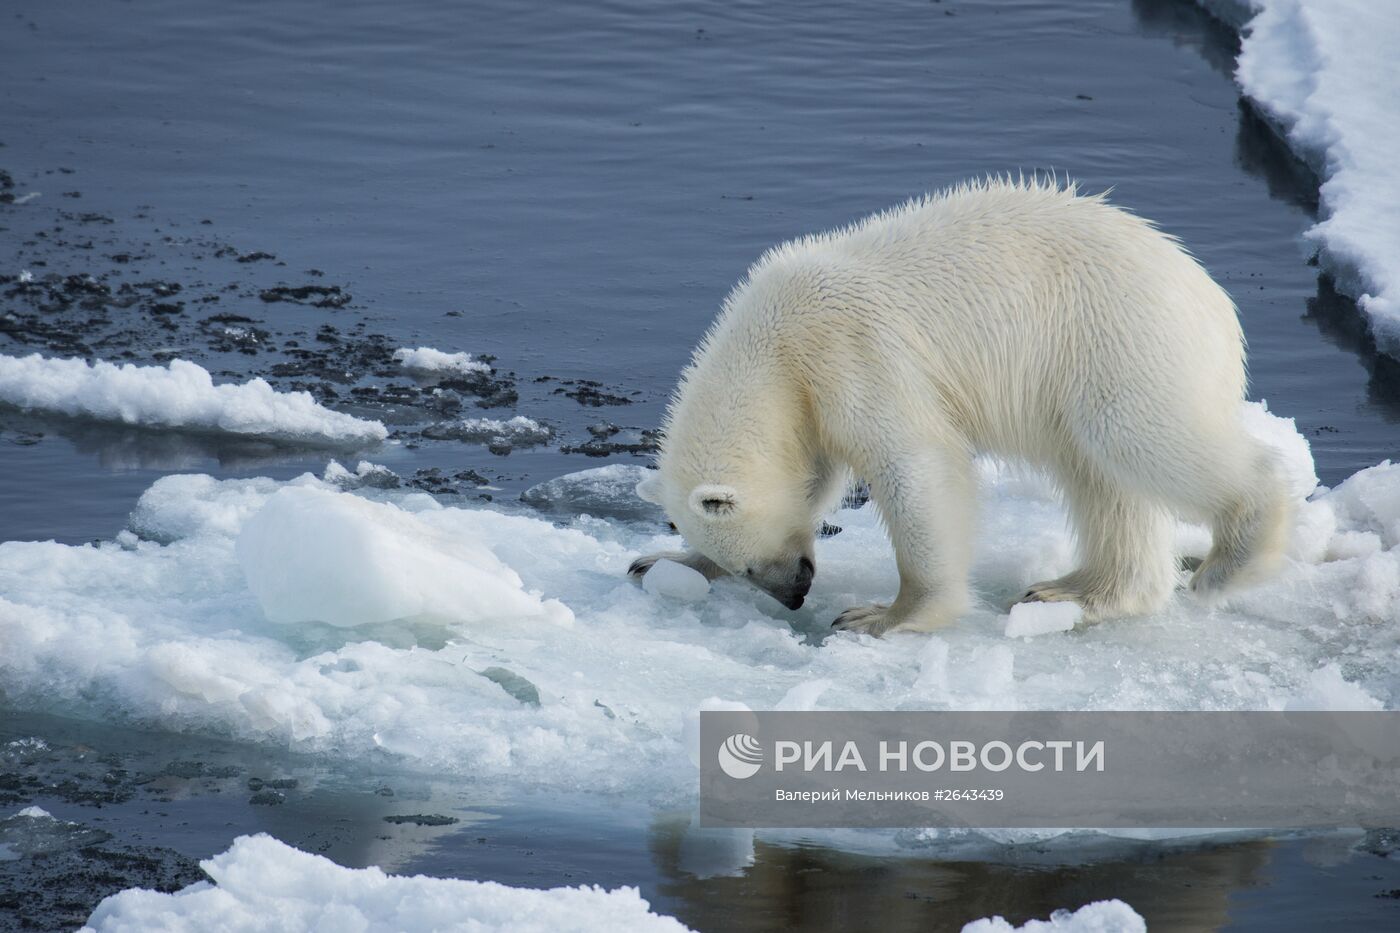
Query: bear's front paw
x: 1066, y: 589
x: 875, y: 619
x: 642, y: 564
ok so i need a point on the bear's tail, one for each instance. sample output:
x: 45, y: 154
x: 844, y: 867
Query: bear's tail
x: 1249, y: 528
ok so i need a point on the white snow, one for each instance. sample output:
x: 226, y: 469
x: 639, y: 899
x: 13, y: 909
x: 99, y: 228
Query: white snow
x: 313, y: 555
x: 1028, y: 620
x: 676, y: 581
x: 180, y: 396
x: 358, y: 624
x: 1099, y: 917
x: 1324, y: 72
x: 262, y: 884
x: 428, y: 361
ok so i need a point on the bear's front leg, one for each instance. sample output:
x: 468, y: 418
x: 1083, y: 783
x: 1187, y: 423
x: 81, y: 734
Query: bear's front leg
x: 692, y: 559
x: 926, y: 499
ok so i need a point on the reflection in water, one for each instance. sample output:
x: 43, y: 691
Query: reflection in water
x: 1338, y: 319
x: 714, y: 852
x: 807, y: 887
x: 1260, y: 152
x: 205, y: 789
x: 121, y: 447
x: 1189, y: 26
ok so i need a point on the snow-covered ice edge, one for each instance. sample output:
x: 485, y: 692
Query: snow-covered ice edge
x: 259, y: 878
x: 1323, y: 74
x: 180, y: 396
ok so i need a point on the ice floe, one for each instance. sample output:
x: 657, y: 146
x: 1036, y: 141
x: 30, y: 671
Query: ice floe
x: 261, y: 884
x: 371, y: 475
x: 377, y: 622
x: 1324, y: 73
x: 181, y: 396
x: 519, y: 431
x: 1098, y: 917
x: 34, y: 831
x: 603, y: 492
x: 427, y: 361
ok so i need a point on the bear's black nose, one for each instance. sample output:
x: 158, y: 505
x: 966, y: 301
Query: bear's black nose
x: 805, y: 571
x: 793, y: 595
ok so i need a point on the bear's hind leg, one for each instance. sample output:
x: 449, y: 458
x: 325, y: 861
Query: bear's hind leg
x: 1124, y: 546
x: 1249, y: 528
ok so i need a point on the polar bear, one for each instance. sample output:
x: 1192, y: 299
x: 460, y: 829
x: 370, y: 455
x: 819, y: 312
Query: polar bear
x: 1015, y: 318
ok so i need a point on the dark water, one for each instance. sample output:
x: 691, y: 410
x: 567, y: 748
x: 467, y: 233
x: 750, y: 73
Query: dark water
x: 159, y: 802
x: 581, y: 183
x: 572, y: 188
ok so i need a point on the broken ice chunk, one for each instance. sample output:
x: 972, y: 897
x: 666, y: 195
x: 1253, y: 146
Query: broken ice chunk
x: 369, y: 474
x: 1028, y: 620
x: 428, y: 361
x: 668, y: 578
x: 604, y: 492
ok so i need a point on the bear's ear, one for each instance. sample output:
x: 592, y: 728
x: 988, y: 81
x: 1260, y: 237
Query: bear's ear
x: 712, y: 501
x: 649, y: 489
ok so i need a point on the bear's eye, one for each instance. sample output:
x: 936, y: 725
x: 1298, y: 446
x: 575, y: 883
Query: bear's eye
x: 748, y: 571
x: 717, y: 506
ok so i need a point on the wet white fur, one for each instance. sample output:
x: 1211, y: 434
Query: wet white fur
x: 1010, y: 317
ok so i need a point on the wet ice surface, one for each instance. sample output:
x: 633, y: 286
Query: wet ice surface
x: 359, y: 622
x: 566, y: 195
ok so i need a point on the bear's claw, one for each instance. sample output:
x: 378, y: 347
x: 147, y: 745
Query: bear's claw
x: 872, y: 620
x: 1051, y: 591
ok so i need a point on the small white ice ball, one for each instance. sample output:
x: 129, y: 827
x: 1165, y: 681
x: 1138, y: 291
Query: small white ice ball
x: 668, y: 578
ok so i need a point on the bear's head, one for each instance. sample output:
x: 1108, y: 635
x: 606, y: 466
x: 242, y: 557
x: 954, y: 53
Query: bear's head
x: 760, y: 533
